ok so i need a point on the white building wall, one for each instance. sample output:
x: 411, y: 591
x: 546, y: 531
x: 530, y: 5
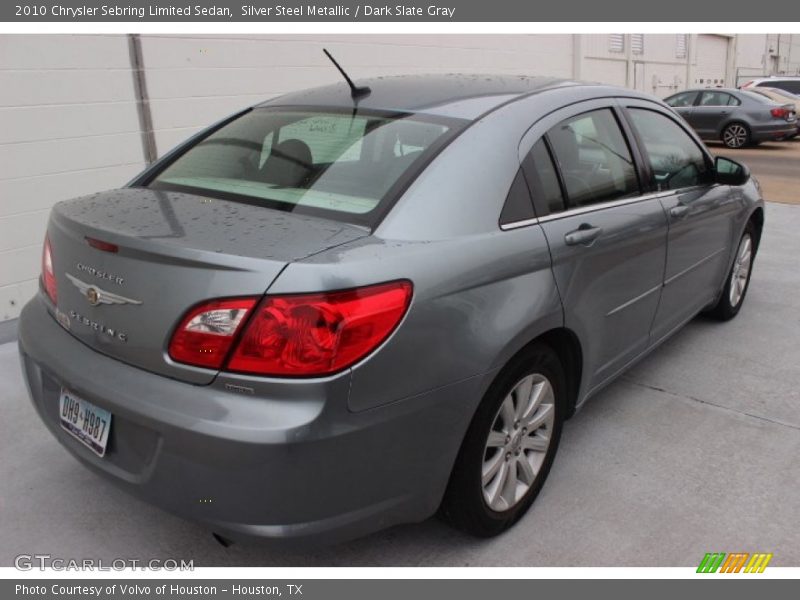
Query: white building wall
x: 194, y: 80
x: 68, y: 127
x: 69, y: 124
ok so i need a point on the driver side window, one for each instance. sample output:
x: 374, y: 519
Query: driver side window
x: 676, y: 160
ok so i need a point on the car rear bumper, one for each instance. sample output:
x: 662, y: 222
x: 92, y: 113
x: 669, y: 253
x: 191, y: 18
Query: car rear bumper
x: 294, y: 466
x: 776, y: 132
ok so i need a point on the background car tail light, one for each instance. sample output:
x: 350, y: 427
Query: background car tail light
x: 48, y: 273
x: 779, y: 113
x: 318, y: 334
x: 206, y: 333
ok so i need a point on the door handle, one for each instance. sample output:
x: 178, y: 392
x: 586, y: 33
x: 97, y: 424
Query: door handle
x: 584, y: 235
x: 679, y: 211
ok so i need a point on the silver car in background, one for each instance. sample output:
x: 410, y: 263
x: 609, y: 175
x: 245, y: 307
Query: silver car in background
x: 781, y: 97
x: 789, y: 83
x: 737, y: 118
x: 352, y: 307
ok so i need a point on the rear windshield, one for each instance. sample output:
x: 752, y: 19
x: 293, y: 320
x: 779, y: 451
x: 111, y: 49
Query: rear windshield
x: 331, y: 163
x: 757, y: 97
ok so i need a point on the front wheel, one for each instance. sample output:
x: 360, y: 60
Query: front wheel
x: 738, y: 279
x: 509, y: 447
x: 736, y: 135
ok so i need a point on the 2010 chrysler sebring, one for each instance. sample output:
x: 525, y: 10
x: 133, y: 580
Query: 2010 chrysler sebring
x: 350, y: 307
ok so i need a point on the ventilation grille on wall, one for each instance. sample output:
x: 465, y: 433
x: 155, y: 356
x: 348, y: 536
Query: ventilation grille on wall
x: 637, y: 43
x: 680, y: 45
x: 616, y: 42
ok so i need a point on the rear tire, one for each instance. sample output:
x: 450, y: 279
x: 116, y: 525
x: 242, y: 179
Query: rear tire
x: 510, y: 445
x: 736, y: 135
x: 738, y: 278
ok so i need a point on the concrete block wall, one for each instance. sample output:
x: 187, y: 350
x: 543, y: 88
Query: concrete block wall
x: 68, y: 127
x: 194, y: 80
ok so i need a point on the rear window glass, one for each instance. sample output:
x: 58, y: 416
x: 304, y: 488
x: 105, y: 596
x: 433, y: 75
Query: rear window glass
x: 338, y: 164
x: 790, y: 85
x: 757, y: 97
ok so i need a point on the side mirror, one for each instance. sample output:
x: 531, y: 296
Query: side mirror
x: 730, y: 172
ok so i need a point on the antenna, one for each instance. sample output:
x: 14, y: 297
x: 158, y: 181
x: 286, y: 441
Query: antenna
x: 356, y: 91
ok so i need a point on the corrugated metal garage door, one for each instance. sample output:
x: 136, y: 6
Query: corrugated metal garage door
x: 712, y: 60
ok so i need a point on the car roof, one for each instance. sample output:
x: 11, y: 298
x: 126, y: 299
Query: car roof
x: 460, y: 95
x: 774, y: 78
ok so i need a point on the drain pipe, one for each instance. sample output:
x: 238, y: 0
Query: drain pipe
x: 142, y: 99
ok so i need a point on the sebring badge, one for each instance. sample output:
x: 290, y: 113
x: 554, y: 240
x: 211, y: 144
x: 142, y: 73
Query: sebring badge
x: 94, y: 295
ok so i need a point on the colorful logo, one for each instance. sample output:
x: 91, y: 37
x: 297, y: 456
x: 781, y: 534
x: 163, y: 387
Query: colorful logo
x: 736, y: 562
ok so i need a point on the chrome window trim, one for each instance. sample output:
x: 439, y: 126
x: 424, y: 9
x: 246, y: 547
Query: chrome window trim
x: 518, y: 224
x: 586, y: 209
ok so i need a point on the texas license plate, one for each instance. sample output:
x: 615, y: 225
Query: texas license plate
x: 85, y: 421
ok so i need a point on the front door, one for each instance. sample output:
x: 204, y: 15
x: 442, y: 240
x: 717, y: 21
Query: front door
x: 698, y: 211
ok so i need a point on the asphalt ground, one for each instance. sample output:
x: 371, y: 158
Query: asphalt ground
x: 776, y: 165
x: 695, y: 450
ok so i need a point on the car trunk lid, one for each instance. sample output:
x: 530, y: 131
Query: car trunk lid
x: 129, y: 263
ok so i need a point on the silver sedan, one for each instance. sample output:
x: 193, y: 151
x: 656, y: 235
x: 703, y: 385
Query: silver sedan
x: 353, y: 307
x: 738, y: 118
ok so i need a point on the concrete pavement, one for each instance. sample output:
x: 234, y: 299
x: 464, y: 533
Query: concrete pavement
x: 695, y: 450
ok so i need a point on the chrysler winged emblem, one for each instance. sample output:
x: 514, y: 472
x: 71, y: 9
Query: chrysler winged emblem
x: 94, y: 295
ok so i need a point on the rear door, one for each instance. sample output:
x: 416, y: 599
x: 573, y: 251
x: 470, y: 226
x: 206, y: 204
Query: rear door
x: 607, y: 237
x: 713, y: 109
x: 700, y: 214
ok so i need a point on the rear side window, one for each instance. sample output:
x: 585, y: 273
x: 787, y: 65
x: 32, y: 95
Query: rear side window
x: 594, y: 159
x: 683, y: 99
x: 718, y: 99
x: 332, y: 163
x: 518, y: 206
x: 675, y: 159
x: 542, y: 178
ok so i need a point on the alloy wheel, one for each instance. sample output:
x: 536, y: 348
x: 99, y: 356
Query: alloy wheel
x: 518, y: 442
x: 741, y: 270
x: 735, y: 136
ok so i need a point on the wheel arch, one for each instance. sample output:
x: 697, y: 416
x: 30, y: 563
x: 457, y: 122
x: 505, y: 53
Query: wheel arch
x: 567, y: 346
x: 757, y: 219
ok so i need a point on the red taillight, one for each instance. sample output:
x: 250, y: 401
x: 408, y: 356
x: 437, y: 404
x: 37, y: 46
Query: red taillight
x: 206, y: 333
x: 319, y: 334
x: 48, y: 273
x: 779, y: 113
x: 292, y: 335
